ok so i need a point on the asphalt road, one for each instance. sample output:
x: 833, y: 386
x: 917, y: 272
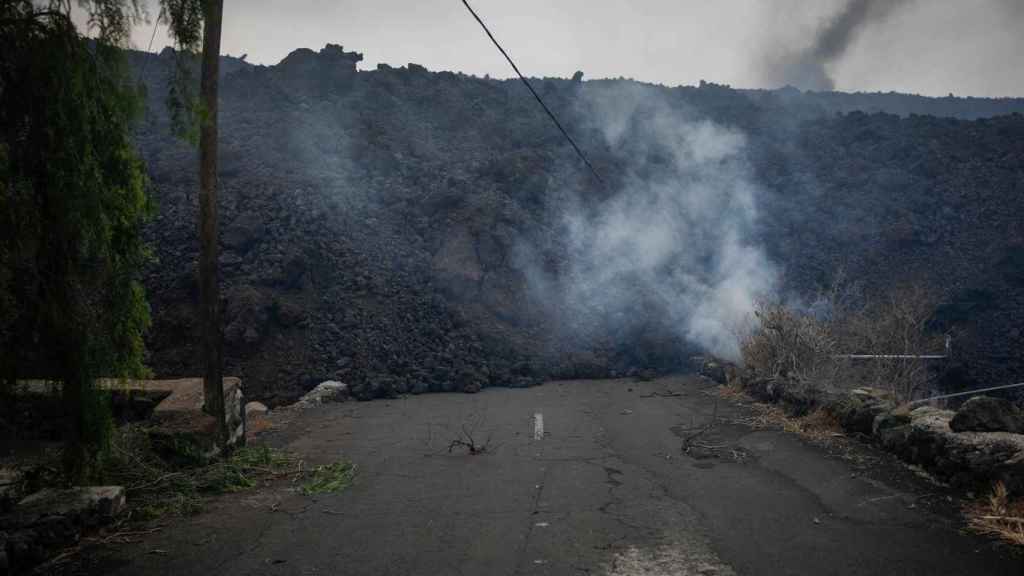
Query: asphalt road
x: 603, y: 488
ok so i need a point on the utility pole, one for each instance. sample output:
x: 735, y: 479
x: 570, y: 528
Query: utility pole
x: 209, y: 289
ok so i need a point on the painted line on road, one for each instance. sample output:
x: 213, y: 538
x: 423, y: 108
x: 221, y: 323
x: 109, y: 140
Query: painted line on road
x: 538, y: 426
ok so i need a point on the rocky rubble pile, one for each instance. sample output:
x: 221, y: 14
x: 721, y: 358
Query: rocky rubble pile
x: 404, y: 231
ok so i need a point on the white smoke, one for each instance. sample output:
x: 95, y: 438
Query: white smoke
x: 681, y: 228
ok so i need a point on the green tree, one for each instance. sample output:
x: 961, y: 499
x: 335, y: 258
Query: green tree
x: 72, y: 204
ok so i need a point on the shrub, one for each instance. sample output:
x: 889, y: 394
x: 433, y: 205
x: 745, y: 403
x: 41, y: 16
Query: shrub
x: 897, y: 324
x: 788, y: 343
x: 157, y: 485
x: 814, y: 344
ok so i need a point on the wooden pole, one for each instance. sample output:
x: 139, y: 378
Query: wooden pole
x: 209, y: 291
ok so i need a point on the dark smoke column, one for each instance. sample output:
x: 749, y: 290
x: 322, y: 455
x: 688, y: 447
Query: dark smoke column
x: 808, y: 68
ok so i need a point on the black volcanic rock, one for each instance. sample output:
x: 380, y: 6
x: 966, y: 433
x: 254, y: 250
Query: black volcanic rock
x: 988, y: 414
x: 375, y: 223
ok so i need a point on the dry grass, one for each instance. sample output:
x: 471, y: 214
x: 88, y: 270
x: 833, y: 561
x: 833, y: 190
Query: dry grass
x: 732, y: 392
x: 820, y: 425
x: 998, y: 516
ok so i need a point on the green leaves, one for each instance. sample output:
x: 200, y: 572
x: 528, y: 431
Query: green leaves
x: 184, y: 19
x: 73, y: 201
x: 330, y: 478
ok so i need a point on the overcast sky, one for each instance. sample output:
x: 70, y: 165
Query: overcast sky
x: 934, y: 47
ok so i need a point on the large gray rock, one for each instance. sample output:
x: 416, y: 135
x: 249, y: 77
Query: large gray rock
x: 85, y: 502
x: 988, y: 414
x: 858, y: 410
x: 255, y: 408
x: 966, y: 459
x: 329, y: 391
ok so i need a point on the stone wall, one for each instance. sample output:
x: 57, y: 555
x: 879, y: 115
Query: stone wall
x: 920, y: 435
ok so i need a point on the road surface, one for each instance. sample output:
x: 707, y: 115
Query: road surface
x: 578, y: 478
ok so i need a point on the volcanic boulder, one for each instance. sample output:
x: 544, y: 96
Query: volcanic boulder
x: 988, y: 414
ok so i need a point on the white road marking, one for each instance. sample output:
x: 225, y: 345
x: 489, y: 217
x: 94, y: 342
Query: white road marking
x: 538, y: 426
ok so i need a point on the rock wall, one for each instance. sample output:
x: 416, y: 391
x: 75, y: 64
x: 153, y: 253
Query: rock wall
x: 921, y: 435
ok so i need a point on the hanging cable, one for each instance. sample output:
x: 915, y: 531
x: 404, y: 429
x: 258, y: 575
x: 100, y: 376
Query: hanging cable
x: 534, y: 92
x: 149, y: 50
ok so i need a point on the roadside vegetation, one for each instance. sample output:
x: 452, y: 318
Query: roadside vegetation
x: 73, y: 200
x: 329, y: 478
x: 812, y: 344
x: 809, y: 348
x: 998, y: 515
x: 177, y: 482
x: 74, y: 197
x: 819, y: 425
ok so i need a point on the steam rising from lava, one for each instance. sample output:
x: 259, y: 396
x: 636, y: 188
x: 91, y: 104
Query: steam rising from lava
x: 678, y: 231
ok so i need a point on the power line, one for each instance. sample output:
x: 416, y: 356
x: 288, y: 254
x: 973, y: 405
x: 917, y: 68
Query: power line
x: 535, y: 95
x: 967, y: 393
x: 149, y: 50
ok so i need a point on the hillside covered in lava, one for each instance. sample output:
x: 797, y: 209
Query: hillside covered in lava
x: 406, y: 231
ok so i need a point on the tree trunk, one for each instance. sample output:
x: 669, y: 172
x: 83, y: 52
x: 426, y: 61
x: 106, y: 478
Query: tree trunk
x: 209, y: 292
x: 75, y: 454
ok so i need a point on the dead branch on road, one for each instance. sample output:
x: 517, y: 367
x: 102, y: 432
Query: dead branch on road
x: 469, y: 443
x: 690, y: 440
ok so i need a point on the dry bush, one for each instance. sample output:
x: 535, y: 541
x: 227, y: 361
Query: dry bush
x: 811, y: 344
x: 895, y: 324
x: 467, y: 441
x: 467, y: 436
x: 820, y: 424
x: 789, y: 343
x: 998, y: 516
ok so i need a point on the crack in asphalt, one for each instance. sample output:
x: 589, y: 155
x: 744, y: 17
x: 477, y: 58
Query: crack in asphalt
x: 257, y: 541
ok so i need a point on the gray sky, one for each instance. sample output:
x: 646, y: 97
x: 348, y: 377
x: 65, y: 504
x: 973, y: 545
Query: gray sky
x: 934, y: 47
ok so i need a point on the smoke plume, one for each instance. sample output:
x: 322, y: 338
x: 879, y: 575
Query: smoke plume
x: 808, y: 68
x: 675, y: 239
